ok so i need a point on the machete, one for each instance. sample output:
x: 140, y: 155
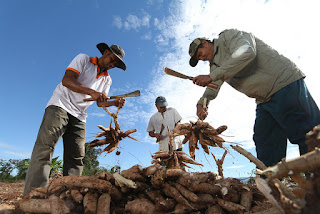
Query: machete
x: 131, y: 94
x: 182, y: 76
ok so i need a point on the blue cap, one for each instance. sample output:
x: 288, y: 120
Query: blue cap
x: 161, y: 101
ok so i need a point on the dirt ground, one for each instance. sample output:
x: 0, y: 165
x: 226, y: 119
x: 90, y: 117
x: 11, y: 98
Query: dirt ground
x: 10, y: 194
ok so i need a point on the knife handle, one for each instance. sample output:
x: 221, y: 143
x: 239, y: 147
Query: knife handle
x: 88, y: 99
x: 211, y: 85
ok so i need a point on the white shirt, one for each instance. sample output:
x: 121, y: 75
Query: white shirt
x: 71, y: 101
x: 169, y: 119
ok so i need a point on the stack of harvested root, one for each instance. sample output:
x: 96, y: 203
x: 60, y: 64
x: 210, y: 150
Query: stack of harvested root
x: 173, y: 160
x: 305, y: 198
x: 202, y: 132
x: 154, y: 189
x: 304, y: 171
x: 112, y: 136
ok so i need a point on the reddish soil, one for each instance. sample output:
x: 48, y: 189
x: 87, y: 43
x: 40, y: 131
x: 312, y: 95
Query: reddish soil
x: 10, y: 194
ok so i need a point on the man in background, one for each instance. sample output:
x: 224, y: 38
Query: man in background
x: 163, y: 121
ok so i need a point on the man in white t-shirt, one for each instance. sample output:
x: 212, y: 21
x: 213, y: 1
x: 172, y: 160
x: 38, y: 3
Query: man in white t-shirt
x: 163, y: 121
x: 66, y: 112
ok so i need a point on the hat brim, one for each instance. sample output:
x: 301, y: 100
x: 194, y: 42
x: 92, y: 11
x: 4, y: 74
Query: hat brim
x: 103, y: 46
x: 193, y: 62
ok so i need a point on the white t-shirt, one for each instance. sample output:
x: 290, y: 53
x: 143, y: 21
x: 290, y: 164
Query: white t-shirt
x: 71, y: 101
x: 169, y: 119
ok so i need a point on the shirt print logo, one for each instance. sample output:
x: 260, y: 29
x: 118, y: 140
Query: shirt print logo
x: 103, y: 79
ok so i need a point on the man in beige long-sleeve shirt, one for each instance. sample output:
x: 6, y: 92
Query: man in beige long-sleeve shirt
x: 285, y: 108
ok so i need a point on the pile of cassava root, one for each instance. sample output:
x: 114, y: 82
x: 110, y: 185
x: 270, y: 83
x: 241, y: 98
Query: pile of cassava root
x: 153, y: 189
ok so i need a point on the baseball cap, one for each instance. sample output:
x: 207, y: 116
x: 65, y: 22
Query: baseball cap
x: 161, y: 101
x: 194, y: 45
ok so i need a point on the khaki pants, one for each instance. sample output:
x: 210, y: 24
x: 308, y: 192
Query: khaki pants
x: 56, y: 123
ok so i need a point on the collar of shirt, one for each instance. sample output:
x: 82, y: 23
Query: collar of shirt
x: 215, y: 51
x: 94, y: 60
x: 215, y: 47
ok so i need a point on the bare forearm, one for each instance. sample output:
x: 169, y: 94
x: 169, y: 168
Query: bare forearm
x: 152, y: 134
x: 158, y: 136
x: 75, y: 86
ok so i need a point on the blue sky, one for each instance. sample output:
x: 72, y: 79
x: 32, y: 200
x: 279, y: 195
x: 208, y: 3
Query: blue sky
x: 39, y: 39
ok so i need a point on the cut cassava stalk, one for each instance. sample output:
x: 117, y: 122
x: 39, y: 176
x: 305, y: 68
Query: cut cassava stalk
x: 295, y: 203
x: 261, y: 166
x: 313, y: 138
x: 123, y: 181
x: 219, y: 162
x: 304, y: 163
x: 248, y: 155
x: 263, y: 186
x: 285, y: 191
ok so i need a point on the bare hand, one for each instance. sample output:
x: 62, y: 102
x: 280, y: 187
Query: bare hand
x: 98, y: 96
x: 119, y: 102
x: 202, y: 80
x: 201, y: 112
x: 158, y: 136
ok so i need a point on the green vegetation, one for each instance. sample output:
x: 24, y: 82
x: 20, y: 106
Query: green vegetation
x: 91, y: 163
x: 7, y: 167
x: 15, y: 170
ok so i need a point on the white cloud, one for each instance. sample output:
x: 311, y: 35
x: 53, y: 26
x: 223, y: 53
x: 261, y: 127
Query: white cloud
x: 147, y: 36
x: 234, y: 167
x: 152, y: 2
x: 132, y: 22
x: 292, y: 151
x: 117, y: 22
x: 5, y: 145
x: 18, y: 154
x: 95, y: 114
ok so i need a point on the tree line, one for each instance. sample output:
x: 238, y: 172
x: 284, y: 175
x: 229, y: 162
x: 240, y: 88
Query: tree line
x: 15, y: 170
